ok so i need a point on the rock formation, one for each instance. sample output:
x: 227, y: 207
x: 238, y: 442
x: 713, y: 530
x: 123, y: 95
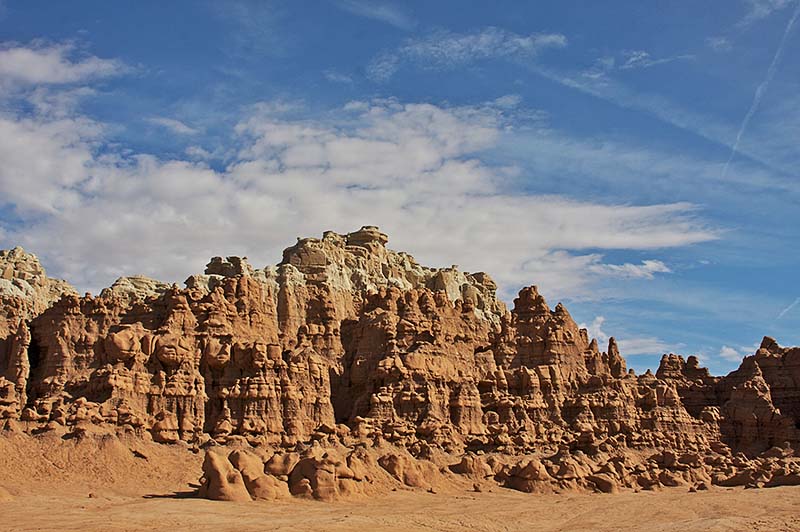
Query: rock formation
x: 25, y: 292
x: 348, y: 366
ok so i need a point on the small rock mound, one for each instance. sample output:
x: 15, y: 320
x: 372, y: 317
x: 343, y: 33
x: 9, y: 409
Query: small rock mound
x: 221, y: 480
x: 324, y: 475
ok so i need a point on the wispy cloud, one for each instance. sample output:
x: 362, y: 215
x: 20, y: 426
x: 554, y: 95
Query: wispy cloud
x: 627, y: 60
x: 760, y: 9
x: 704, y: 126
x: 198, y: 152
x: 335, y: 76
x: 628, y: 345
x: 382, y: 11
x: 448, y: 50
x: 595, y: 329
x: 719, y: 44
x: 444, y: 49
x: 642, y: 59
x: 736, y: 354
x: 645, y: 345
x: 40, y: 63
x: 621, y: 164
x: 176, y: 126
x: 786, y: 310
x: 777, y: 129
x: 729, y: 353
x: 623, y: 96
x: 257, y: 28
x: 646, y: 270
x: 762, y: 88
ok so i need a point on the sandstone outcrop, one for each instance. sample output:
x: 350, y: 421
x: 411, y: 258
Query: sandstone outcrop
x: 23, y: 278
x: 25, y: 292
x: 349, y: 368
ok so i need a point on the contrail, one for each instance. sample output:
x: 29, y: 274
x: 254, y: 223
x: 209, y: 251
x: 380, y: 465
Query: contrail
x: 787, y: 309
x: 762, y: 88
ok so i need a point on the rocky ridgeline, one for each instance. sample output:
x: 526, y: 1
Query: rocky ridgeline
x: 348, y: 367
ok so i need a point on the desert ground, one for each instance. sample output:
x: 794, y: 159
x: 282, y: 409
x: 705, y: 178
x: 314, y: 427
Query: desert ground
x: 773, y: 510
x: 49, y: 484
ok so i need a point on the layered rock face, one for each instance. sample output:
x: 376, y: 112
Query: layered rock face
x: 348, y: 361
x: 25, y: 292
x: 758, y: 405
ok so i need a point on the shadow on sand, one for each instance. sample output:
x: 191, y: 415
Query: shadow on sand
x: 189, y: 494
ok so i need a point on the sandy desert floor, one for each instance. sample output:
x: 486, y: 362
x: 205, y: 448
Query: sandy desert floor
x: 49, y: 484
x: 774, y: 510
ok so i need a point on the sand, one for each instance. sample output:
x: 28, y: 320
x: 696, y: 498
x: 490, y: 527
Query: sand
x: 773, y: 510
x: 109, y: 484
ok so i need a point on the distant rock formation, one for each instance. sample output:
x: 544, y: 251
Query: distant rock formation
x: 348, y: 361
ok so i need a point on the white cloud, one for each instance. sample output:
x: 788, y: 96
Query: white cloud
x: 45, y: 162
x: 40, y: 63
x: 645, y: 270
x: 56, y: 103
x: 383, y: 67
x: 628, y: 345
x: 595, y: 329
x: 447, y: 48
x: 444, y: 49
x: 509, y: 101
x: 729, y: 353
x: 198, y: 152
x: 600, y: 68
x: 645, y: 345
x: 719, y: 44
x: 627, y: 60
x: 337, y: 77
x: 736, y: 354
x: 413, y: 169
x: 176, y: 126
x: 642, y: 59
x: 95, y: 210
x: 382, y: 11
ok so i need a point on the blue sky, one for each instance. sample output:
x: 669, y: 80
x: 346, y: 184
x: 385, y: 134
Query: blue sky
x: 637, y: 161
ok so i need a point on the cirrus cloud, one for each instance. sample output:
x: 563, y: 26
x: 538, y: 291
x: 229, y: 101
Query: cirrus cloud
x: 445, y: 49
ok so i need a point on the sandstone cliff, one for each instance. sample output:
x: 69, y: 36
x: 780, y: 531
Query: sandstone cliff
x: 348, y: 361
